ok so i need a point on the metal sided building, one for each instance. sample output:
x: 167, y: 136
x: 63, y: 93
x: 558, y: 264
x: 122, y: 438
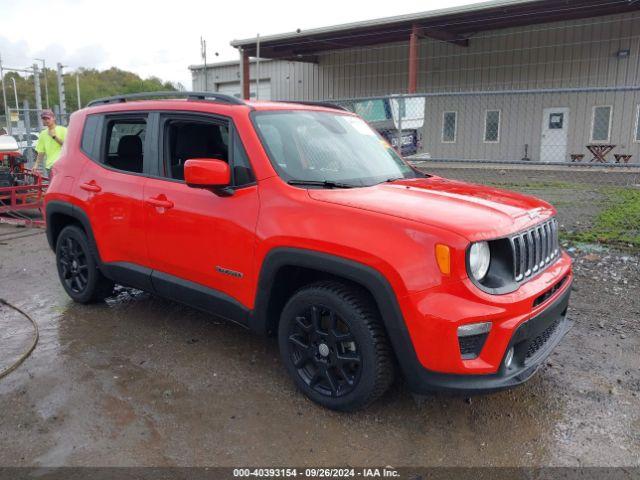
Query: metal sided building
x: 501, y: 80
x: 279, y: 79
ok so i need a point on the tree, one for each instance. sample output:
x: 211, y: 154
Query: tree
x: 93, y: 84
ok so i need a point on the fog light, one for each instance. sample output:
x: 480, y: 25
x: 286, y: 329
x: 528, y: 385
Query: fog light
x: 508, y: 360
x: 474, y: 329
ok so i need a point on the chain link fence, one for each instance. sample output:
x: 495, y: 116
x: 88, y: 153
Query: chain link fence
x: 596, y: 204
x: 578, y: 149
x: 25, y: 126
x: 575, y: 125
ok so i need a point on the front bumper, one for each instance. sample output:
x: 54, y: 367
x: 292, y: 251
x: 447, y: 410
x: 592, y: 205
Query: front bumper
x: 533, y: 342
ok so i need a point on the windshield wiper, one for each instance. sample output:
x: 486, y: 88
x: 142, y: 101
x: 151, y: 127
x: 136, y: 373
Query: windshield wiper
x: 320, y: 183
x: 395, y: 179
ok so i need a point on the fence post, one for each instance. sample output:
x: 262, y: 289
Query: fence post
x: 56, y: 112
x: 62, y: 96
x: 78, y: 90
x: 27, y: 121
x: 7, y: 114
x: 399, y: 126
x: 10, y: 113
x: 36, y: 82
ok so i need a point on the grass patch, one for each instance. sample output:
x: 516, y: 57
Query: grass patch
x: 618, y: 223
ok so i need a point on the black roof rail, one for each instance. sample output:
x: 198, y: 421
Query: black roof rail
x: 219, y: 97
x: 318, y: 104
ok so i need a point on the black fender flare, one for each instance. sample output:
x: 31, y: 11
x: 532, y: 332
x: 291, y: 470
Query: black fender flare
x: 364, y: 275
x: 57, y: 207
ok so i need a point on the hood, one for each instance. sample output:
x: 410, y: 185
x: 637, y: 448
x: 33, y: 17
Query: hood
x: 477, y: 212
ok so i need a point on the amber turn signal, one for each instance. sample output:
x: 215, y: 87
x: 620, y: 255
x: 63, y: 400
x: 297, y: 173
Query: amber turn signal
x: 443, y: 257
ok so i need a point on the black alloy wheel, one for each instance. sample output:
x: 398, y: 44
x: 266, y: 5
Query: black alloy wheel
x: 73, y: 265
x: 324, y: 351
x: 77, y: 267
x: 334, y: 345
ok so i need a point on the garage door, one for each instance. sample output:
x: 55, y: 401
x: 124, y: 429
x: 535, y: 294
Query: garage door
x: 233, y: 89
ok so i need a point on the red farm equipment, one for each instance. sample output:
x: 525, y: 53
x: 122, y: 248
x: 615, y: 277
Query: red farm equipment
x: 21, y: 190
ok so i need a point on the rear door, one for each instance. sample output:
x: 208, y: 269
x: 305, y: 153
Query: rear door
x: 111, y: 186
x: 200, y: 242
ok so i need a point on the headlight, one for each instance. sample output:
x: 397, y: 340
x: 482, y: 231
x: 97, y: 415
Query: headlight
x: 479, y: 260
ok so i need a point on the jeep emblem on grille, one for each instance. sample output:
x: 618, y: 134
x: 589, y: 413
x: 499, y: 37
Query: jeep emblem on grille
x: 533, y: 214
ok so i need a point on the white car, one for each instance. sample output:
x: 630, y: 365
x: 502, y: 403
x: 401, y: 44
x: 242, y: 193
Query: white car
x: 8, y: 144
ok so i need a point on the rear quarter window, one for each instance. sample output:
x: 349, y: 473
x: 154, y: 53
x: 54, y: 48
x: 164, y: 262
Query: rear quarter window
x: 91, y: 136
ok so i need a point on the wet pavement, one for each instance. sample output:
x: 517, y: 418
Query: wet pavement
x: 142, y: 381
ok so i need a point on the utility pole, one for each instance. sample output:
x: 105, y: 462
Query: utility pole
x: 258, y: 66
x: 4, y: 99
x: 203, y: 54
x: 61, y: 95
x: 36, y: 84
x: 78, y: 90
x: 46, y: 82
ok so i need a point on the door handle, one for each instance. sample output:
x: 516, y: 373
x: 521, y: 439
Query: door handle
x: 160, y: 202
x: 91, y: 186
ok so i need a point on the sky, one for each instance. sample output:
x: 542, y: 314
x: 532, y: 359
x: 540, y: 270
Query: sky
x: 163, y: 38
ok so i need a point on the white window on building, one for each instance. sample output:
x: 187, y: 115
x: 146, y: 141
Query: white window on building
x: 601, y: 124
x: 449, y: 127
x: 492, y: 126
x: 637, y: 132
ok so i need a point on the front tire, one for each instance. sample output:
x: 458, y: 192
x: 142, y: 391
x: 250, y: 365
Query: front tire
x: 77, y: 267
x: 334, y: 346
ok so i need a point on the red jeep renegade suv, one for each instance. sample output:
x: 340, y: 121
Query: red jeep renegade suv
x: 299, y: 220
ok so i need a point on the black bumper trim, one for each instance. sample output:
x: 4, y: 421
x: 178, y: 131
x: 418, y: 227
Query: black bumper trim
x: 522, y: 368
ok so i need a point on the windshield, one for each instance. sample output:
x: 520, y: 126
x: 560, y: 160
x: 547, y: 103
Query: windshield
x: 328, y: 147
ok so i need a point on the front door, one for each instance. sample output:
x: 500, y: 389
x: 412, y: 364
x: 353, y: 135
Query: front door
x: 555, y: 128
x: 197, y: 238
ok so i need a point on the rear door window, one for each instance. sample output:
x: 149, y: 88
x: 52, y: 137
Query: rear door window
x: 124, y: 143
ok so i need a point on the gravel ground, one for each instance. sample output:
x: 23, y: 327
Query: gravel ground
x: 142, y: 381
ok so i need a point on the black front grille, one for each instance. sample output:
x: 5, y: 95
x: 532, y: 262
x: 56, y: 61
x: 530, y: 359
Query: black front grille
x: 534, y: 249
x: 541, y: 339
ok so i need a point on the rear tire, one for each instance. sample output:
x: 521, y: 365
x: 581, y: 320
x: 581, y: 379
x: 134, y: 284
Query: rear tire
x: 334, y: 346
x: 77, y: 267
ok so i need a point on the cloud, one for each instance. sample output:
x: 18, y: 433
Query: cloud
x: 52, y: 54
x: 18, y: 55
x: 90, y: 56
x: 14, y: 54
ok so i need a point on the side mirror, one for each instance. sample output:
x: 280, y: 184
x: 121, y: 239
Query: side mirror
x: 207, y: 173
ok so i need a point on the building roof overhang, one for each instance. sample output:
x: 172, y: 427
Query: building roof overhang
x: 456, y: 25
